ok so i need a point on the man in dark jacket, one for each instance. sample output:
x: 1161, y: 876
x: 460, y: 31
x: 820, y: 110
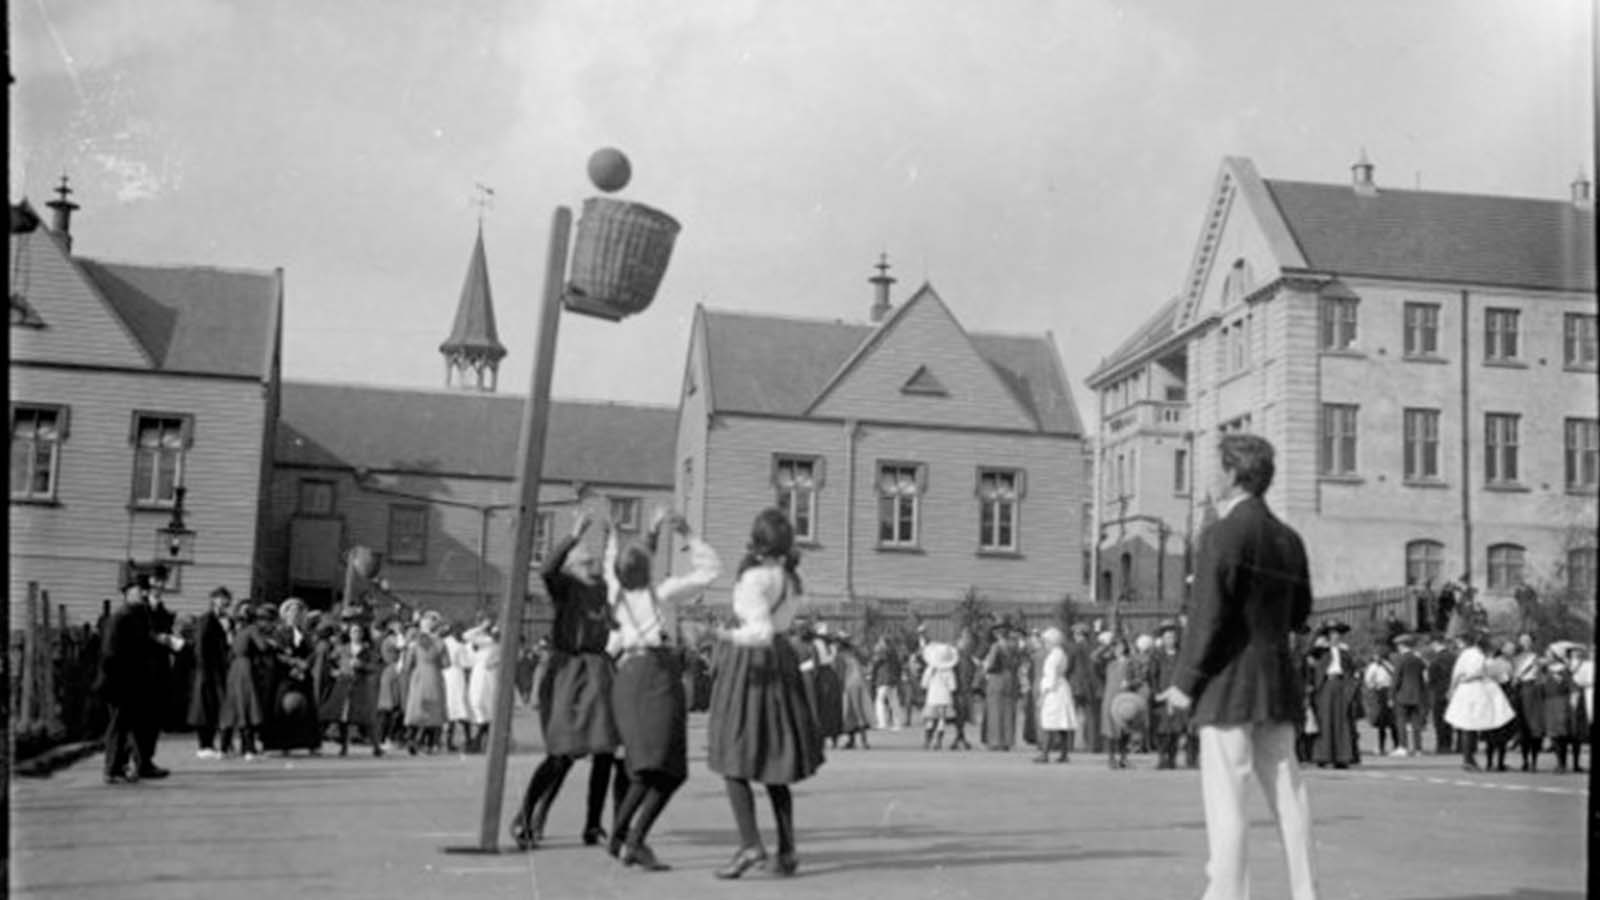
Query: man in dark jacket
x: 210, y: 672
x: 133, y: 672
x: 1410, y: 692
x: 1439, y: 671
x: 1086, y: 687
x: 1237, y: 675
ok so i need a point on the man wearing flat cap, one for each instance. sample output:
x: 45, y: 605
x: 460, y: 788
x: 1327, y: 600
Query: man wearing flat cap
x: 1410, y: 693
x: 133, y: 672
x: 1236, y: 673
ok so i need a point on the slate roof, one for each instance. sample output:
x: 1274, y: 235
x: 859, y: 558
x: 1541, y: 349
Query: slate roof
x: 474, y: 331
x: 471, y: 434
x: 1156, y: 329
x: 194, y: 319
x: 776, y: 365
x: 1432, y: 236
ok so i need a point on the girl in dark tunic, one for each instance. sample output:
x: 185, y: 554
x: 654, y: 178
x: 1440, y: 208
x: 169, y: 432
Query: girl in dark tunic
x: 574, y: 693
x: 761, y: 728
x: 857, y: 717
x: 242, y: 711
x: 648, y: 695
x: 1559, y: 715
x: 825, y: 680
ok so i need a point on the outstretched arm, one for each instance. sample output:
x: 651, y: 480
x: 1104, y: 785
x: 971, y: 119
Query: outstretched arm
x: 704, y: 567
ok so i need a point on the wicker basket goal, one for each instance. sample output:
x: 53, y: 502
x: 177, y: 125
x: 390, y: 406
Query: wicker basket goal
x: 620, y: 255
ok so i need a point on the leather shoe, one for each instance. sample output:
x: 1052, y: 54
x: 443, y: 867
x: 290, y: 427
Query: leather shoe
x: 614, y: 845
x: 153, y: 773
x: 742, y: 861
x: 593, y: 836
x: 784, y: 865
x: 642, y: 856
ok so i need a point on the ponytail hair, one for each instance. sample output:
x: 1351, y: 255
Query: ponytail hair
x: 772, y: 539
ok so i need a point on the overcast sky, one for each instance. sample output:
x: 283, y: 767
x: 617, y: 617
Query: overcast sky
x: 1045, y: 165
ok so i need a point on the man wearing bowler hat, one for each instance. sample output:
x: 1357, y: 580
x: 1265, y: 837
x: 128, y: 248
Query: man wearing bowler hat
x: 1237, y: 676
x: 133, y: 670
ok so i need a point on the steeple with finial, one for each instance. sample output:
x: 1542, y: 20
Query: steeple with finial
x: 473, y: 351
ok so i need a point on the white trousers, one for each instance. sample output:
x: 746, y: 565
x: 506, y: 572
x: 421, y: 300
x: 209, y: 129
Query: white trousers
x: 886, y: 708
x: 1229, y: 756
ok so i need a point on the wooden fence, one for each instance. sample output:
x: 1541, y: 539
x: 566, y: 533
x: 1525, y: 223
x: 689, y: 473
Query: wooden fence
x: 53, y: 664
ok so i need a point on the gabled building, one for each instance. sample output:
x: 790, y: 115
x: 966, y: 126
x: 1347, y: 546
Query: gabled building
x: 131, y: 384
x: 1425, y: 363
x: 427, y: 478
x: 916, y: 459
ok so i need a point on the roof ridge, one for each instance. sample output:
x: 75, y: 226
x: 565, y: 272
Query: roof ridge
x: 473, y: 395
x: 180, y: 267
x: 786, y: 317
x: 1476, y: 195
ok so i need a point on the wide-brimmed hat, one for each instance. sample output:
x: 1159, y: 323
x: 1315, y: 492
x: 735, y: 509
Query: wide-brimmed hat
x: 1404, y: 640
x: 1168, y: 625
x: 1128, y: 708
x: 1333, y: 625
x: 939, y: 655
x: 1080, y: 628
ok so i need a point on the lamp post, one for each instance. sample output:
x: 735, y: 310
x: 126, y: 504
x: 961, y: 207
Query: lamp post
x: 622, y: 252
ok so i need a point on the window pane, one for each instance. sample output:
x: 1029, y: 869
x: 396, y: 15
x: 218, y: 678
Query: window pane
x: 886, y: 519
x: 144, y: 467
x: 21, y: 453
x: 167, y: 476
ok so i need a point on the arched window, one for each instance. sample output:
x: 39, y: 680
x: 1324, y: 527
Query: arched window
x: 1127, y: 575
x: 1581, y: 572
x: 1424, y: 562
x: 1506, y: 563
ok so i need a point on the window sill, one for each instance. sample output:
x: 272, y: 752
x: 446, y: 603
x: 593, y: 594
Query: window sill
x: 1433, y: 483
x: 1507, y: 487
x: 1344, y: 352
x: 1582, y: 490
x: 1426, y: 358
x: 150, y: 506
x: 1505, y: 364
x: 808, y: 543
x: 999, y: 553
x: 1579, y: 367
x: 1342, y: 479
x: 35, y: 501
x: 901, y: 548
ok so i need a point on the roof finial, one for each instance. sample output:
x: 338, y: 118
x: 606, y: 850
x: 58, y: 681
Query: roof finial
x: 484, y: 200
x: 1582, y: 190
x: 64, y: 208
x: 881, y: 281
x: 1361, y: 175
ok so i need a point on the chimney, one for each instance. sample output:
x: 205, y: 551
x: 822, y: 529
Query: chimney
x: 1361, y: 176
x: 1582, y: 191
x: 63, y: 210
x: 881, y: 282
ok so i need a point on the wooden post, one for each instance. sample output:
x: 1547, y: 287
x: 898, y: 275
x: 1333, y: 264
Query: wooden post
x: 30, y: 656
x: 535, y: 422
x: 47, y: 664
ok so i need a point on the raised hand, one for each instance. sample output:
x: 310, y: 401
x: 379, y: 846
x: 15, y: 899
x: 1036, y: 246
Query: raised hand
x: 581, y: 522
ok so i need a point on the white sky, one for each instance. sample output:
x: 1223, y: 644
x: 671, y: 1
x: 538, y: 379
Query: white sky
x: 1044, y: 164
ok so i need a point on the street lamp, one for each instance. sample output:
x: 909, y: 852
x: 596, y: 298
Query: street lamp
x: 622, y: 252
x: 175, y: 541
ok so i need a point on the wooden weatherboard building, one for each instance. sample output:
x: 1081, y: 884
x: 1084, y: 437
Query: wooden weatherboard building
x: 128, y: 382
x: 918, y: 460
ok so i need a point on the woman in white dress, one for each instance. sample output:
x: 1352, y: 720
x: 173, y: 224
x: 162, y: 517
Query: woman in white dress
x: 483, y: 654
x: 1058, y: 717
x: 458, y: 661
x: 1477, y: 704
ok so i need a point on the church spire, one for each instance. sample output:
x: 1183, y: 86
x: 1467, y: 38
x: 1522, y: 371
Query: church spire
x: 473, y: 351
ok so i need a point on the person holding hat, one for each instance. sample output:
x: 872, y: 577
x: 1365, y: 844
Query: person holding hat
x: 1377, y: 682
x: 1558, y: 714
x: 1171, y: 724
x: 133, y: 669
x: 1336, y: 697
x: 939, y: 690
x: 857, y: 702
x: 1410, y: 693
x: 291, y: 718
x: 1237, y: 672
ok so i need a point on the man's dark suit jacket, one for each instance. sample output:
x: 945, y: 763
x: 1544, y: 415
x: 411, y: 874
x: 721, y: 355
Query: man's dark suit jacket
x: 1252, y: 588
x: 1410, y: 681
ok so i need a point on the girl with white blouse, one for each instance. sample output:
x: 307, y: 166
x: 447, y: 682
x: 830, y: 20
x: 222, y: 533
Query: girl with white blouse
x: 1477, y: 704
x: 761, y: 727
x: 647, y: 695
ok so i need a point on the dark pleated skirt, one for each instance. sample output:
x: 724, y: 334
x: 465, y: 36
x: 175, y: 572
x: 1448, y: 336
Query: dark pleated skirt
x: 999, y: 712
x: 241, y: 700
x: 1336, y: 702
x: 857, y: 705
x: 830, y: 702
x: 651, y: 709
x: 1527, y: 698
x: 761, y: 727
x: 575, y: 705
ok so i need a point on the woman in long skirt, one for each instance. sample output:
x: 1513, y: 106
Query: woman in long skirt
x: 829, y: 692
x: 425, y: 712
x: 391, y: 685
x: 459, y: 659
x: 648, y: 697
x: 760, y: 726
x: 353, y: 697
x: 483, y: 658
x: 242, y: 711
x: 857, y: 701
x: 999, y: 691
x: 1336, y: 695
x: 292, y: 722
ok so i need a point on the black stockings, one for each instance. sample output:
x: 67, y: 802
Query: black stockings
x: 743, y: 801
x: 647, y: 796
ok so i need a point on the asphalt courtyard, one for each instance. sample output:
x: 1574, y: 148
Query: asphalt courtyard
x: 892, y: 822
